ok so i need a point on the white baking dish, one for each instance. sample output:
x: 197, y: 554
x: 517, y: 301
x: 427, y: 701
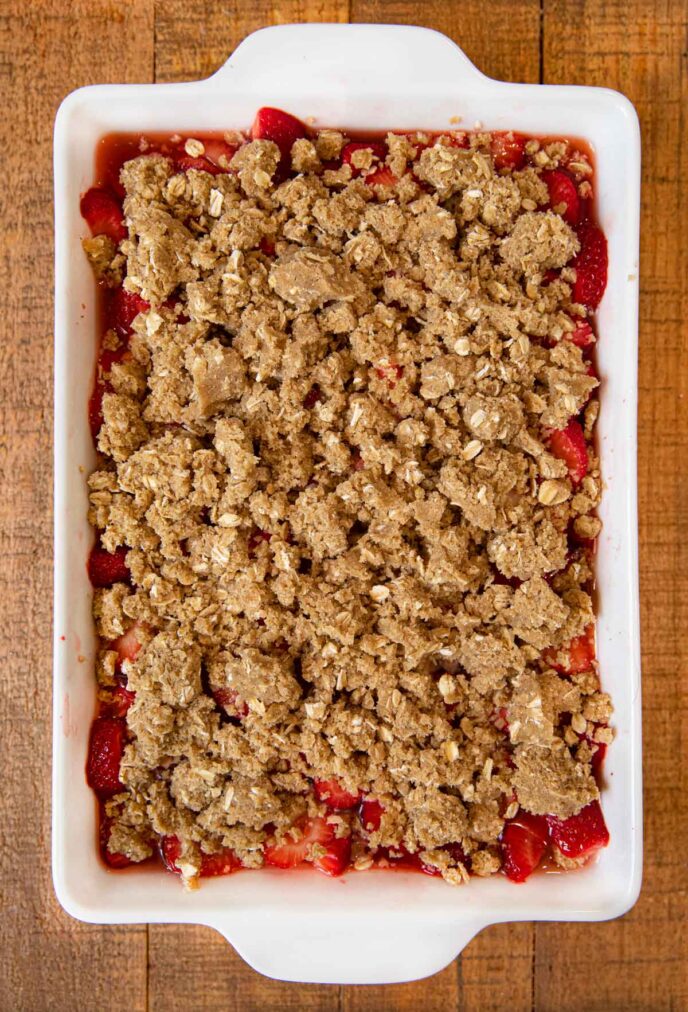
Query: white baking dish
x: 373, y: 927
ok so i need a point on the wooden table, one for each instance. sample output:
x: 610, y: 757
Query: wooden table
x: 52, y: 962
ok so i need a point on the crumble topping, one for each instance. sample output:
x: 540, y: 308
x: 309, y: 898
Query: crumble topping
x: 327, y: 453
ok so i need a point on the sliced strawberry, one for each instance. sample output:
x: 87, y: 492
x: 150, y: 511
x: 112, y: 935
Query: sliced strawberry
x: 569, y: 445
x: 370, y: 814
x: 212, y: 865
x: 106, y: 568
x: 378, y: 149
x: 455, y: 850
x: 127, y: 645
x: 229, y: 700
x: 312, y: 397
x: 95, y: 409
x: 400, y: 857
x: 524, y: 841
x: 313, y: 832
x: 122, y: 698
x: 562, y: 190
x: 124, y: 308
x: 598, y: 757
x: 280, y: 127
x: 199, y: 163
x: 580, y: 654
x: 110, y: 859
x: 583, y: 336
x: 334, y: 796
x: 219, y: 152
x: 103, y: 213
x: 591, y: 265
x: 222, y: 863
x: 381, y: 177
x: 508, y: 150
x: 108, y: 735
x: 336, y: 860
x: 170, y: 851
x: 581, y: 834
x: 267, y: 246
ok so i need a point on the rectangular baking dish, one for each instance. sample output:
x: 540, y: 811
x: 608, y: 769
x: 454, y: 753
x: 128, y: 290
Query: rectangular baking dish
x: 374, y: 927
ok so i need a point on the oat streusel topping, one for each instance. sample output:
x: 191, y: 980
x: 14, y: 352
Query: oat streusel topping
x: 327, y: 453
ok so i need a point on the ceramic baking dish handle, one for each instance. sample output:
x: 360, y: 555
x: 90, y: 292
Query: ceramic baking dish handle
x: 360, y: 58
x: 347, y: 951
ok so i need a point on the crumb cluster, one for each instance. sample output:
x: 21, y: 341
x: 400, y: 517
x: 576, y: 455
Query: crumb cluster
x: 326, y: 451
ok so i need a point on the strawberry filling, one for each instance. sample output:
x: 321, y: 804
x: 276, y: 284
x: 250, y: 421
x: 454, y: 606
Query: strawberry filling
x: 570, y: 446
x: 106, y: 568
x: 580, y: 835
x: 106, y: 746
x: 334, y: 796
x: 508, y: 150
x: 591, y: 265
x: 378, y: 149
x: 316, y: 842
x: 579, y: 655
x: 103, y: 214
x: 563, y: 195
x: 212, y: 865
x: 524, y: 841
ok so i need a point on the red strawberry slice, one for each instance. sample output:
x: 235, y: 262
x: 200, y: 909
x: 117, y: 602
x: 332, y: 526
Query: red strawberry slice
x: 122, y: 698
x: 336, y: 860
x: 524, y: 841
x: 598, y: 757
x: 127, y: 645
x: 103, y: 213
x: 267, y: 246
x: 280, y: 127
x: 170, y: 850
x: 199, y: 163
x: 562, y: 190
x: 95, y: 409
x: 569, y: 445
x: 123, y: 309
x: 508, y: 150
x: 378, y: 149
x: 334, y: 796
x: 381, y: 177
x: 591, y: 265
x: 212, y: 865
x: 229, y: 700
x: 314, y: 831
x: 581, y: 834
x: 583, y: 336
x: 219, y: 152
x: 108, y: 357
x: 370, y: 814
x: 400, y: 857
x: 580, y: 654
x: 106, y: 746
x: 110, y: 859
x: 457, y: 853
x: 106, y: 568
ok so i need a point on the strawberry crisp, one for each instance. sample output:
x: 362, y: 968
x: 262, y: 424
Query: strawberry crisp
x: 345, y: 502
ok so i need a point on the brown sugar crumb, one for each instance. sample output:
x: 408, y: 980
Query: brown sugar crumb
x: 356, y: 557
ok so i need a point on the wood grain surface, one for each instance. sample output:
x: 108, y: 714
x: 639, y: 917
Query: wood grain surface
x: 48, y: 961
